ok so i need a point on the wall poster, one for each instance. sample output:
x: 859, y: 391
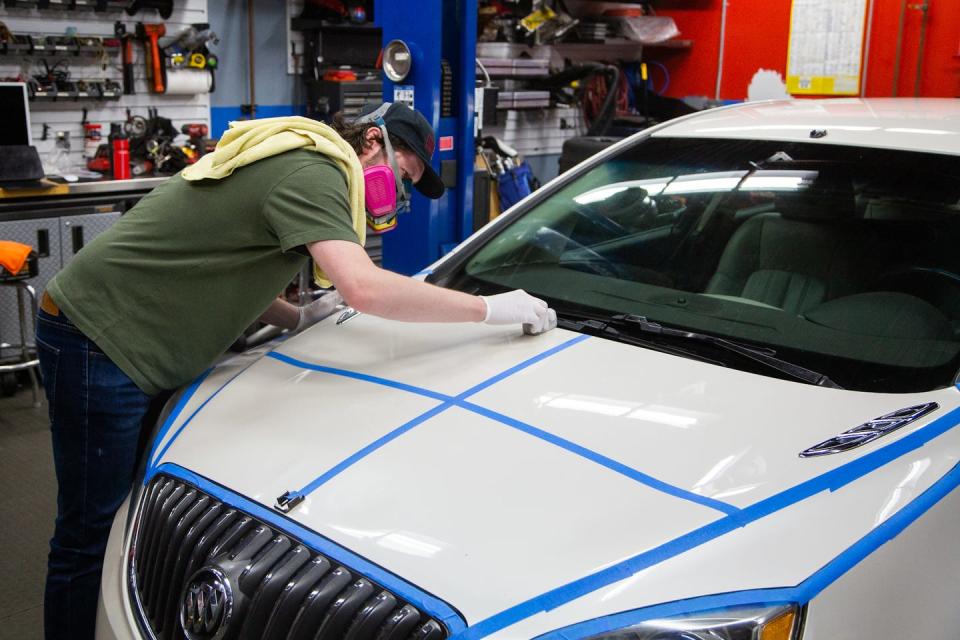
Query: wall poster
x: 825, y: 53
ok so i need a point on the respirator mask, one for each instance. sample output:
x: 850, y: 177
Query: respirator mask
x: 385, y: 193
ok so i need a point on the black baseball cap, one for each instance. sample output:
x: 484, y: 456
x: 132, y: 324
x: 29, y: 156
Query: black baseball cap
x: 413, y: 129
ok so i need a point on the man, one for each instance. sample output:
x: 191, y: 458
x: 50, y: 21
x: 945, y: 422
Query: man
x: 152, y: 302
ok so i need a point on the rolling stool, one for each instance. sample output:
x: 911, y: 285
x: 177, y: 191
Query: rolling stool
x: 23, y: 362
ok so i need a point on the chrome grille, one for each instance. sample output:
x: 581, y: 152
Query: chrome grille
x: 279, y: 589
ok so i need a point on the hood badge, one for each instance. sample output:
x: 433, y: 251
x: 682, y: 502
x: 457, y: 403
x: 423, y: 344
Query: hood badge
x: 870, y: 431
x: 207, y: 605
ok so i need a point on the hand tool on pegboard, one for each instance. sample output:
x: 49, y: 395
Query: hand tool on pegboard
x: 164, y: 7
x: 126, y: 40
x: 150, y: 34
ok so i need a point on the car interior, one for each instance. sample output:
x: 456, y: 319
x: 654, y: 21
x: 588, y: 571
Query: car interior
x: 828, y: 253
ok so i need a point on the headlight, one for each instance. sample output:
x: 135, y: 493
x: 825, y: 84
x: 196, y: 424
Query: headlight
x: 741, y: 623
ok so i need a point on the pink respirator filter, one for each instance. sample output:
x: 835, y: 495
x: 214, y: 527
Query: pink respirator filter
x: 380, y: 189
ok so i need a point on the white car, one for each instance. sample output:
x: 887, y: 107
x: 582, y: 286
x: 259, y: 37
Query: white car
x: 744, y: 428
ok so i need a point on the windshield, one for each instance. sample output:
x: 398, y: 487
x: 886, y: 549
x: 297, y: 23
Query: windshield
x: 841, y: 259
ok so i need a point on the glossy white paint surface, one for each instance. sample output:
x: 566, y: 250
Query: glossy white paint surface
x: 486, y: 516
x: 923, y: 124
x: 786, y: 548
x: 115, y: 619
x: 918, y: 573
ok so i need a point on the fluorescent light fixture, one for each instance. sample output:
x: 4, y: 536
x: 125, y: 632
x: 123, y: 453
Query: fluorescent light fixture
x: 928, y: 132
x: 652, y: 187
x: 598, y: 195
x: 618, y: 408
x: 705, y: 182
x: 588, y: 404
x: 669, y: 419
x: 778, y: 180
x: 410, y: 544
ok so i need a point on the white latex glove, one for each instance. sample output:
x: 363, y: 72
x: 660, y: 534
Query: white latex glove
x: 519, y: 307
x: 314, y: 312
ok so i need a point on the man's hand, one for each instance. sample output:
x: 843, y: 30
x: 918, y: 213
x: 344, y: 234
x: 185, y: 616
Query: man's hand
x: 312, y: 313
x: 519, y: 307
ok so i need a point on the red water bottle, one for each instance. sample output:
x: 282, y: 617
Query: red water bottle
x: 121, y: 159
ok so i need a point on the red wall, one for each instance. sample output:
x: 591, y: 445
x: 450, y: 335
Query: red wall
x: 757, y: 37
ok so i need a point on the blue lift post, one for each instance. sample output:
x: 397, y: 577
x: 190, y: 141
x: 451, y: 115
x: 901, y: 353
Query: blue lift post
x: 434, y: 30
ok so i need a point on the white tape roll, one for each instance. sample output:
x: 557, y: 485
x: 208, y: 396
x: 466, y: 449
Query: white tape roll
x: 188, y: 81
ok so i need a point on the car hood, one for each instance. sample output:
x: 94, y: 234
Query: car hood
x: 488, y: 467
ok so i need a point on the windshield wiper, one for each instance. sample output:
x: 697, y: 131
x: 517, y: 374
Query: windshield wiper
x: 602, y: 327
x: 762, y: 355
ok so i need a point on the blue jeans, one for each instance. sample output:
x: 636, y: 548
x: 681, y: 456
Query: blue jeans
x: 96, y: 413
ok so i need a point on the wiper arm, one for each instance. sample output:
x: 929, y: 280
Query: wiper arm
x: 762, y: 355
x: 601, y: 327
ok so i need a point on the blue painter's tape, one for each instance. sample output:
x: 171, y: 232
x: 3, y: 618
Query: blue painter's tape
x: 505, y: 420
x: 880, y: 535
x: 799, y: 594
x: 829, y: 481
x: 360, y: 376
x: 153, y: 462
x: 600, y: 459
x: 177, y: 410
x: 367, y: 450
x: 520, y: 367
x: 703, y: 604
x: 421, y: 599
x: 446, y: 404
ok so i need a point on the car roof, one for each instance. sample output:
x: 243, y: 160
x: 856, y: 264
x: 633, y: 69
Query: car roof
x: 915, y: 124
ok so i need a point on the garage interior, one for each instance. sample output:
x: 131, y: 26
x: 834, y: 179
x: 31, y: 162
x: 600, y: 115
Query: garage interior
x: 518, y: 91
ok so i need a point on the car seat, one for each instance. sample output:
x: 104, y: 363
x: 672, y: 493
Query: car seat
x: 795, y: 258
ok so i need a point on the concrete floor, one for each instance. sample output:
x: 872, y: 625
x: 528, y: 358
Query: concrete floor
x: 28, y: 498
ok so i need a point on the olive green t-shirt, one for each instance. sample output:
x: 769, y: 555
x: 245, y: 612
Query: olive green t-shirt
x: 169, y: 287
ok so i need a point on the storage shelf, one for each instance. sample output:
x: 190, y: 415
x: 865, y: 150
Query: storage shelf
x: 75, y: 96
x: 671, y: 44
x: 67, y: 5
x: 38, y: 45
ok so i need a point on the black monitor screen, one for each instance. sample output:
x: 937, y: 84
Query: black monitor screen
x: 14, y: 118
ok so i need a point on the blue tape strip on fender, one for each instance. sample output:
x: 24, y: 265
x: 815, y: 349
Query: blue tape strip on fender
x: 829, y: 481
x: 177, y: 410
x: 151, y: 471
x: 799, y: 594
x: 424, y: 601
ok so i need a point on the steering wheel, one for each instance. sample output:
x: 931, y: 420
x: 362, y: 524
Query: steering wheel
x: 923, y: 274
x: 592, y: 261
x: 555, y: 244
x: 939, y: 287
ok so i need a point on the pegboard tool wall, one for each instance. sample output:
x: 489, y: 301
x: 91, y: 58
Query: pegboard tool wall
x: 67, y: 115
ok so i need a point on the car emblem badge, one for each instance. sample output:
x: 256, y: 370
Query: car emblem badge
x: 870, y: 431
x: 206, y: 606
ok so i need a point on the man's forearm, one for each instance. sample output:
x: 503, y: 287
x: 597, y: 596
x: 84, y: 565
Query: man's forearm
x: 379, y: 292
x: 282, y: 314
x: 373, y: 290
x: 390, y: 295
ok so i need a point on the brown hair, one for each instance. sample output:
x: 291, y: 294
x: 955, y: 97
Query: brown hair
x: 354, y: 133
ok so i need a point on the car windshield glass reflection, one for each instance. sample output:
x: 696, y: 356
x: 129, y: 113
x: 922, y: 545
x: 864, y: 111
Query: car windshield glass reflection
x: 841, y: 259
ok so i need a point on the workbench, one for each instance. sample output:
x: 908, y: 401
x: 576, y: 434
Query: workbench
x: 58, y: 221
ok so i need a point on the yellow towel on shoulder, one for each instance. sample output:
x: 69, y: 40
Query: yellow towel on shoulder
x: 247, y: 141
